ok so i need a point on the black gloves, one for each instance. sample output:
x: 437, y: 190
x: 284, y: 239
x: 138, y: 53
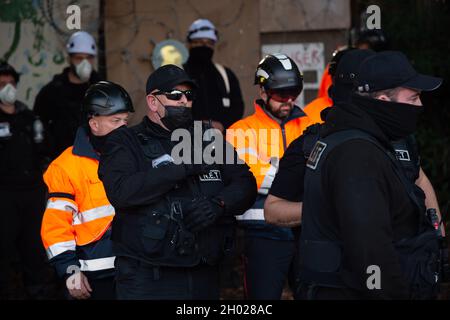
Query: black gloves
x: 202, y: 212
x: 196, y: 169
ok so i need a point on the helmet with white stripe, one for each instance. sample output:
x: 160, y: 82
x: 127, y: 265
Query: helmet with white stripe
x: 278, y: 71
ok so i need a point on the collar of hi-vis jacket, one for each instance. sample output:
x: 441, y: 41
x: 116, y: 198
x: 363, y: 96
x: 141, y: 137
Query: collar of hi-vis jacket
x: 82, y: 147
x: 260, y: 112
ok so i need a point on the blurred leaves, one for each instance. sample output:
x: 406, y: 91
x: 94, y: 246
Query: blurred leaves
x: 421, y: 29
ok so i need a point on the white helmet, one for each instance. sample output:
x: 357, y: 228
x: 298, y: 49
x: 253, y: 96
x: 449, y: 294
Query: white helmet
x: 202, y: 28
x: 81, y: 42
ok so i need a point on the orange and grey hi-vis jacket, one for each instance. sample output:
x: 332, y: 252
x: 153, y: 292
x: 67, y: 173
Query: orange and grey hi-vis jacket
x: 260, y: 141
x: 77, y: 221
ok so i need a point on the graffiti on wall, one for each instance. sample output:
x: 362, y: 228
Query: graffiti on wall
x: 32, y: 39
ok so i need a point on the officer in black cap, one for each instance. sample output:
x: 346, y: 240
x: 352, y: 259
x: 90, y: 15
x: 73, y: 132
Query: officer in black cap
x: 283, y: 204
x: 364, y: 230
x: 174, y: 216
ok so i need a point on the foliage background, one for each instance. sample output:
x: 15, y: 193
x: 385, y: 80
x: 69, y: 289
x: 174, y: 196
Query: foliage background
x: 421, y: 29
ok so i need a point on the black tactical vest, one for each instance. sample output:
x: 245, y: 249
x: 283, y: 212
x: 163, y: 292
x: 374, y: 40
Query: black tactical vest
x: 162, y: 239
x: 408, y: 155
x: 320, y: 255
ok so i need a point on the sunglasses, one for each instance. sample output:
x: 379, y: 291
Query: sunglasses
x: 177, y: 94
x: 283, y: 95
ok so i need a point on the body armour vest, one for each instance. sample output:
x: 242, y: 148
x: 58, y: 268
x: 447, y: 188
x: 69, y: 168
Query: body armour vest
x: 157, y: 233
x: 320, y: 248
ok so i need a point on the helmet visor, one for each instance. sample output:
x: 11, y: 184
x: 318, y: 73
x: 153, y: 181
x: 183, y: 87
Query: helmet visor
x: 284, y: 95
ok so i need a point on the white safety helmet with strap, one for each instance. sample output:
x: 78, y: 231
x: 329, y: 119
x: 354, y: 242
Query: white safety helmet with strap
x: 202, y: 28
x: 81, y: 42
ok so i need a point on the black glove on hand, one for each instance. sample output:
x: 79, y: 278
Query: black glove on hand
x: 202, y: 212
x: 196, y: 169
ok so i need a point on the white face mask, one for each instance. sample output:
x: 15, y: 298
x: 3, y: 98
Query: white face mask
x: 8, y: 94
x: 84, y: 70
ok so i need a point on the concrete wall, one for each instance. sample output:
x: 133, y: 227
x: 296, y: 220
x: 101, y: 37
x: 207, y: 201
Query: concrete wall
x: 33, y: 37
x: 133, y: 28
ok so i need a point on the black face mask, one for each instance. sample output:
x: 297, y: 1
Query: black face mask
x: 396, y: 120
x: 98, y: 142
x: 177, y: 117
x: 201, y: 54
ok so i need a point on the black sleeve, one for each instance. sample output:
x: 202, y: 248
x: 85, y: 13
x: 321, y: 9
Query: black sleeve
x: 239, y: 193
x: 42, y: 106
x: 288, y: 182
x: 43, y: 149
x: 126, y: 184
x: 356, y: 181
x: 236, y: 101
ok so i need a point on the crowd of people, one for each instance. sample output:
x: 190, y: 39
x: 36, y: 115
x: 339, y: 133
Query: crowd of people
x: 324, y: 193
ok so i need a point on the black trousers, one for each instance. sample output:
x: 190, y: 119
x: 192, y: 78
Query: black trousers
x: 24, y: 272
x: 268, y: 264
x: 137, y: 280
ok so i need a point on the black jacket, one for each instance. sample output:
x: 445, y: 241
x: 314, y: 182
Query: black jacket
x: 132, y: 184
x: 58, y: 104
x: 24, y: 149
x: 208, y: 103
x: 369, y: 209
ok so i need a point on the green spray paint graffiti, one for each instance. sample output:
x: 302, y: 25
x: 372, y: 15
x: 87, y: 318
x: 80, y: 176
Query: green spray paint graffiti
x: 16, y: 12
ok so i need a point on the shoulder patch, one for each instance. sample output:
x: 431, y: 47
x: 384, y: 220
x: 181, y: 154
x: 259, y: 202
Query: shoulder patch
x: 402, y: 155
x: 315, y: 155
x: 213, y: 175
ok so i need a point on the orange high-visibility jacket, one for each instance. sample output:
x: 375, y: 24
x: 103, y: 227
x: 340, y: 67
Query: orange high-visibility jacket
x: 315, y: 107
x: 325, y: 84
x: 78, y: 214
x: 260, y: 141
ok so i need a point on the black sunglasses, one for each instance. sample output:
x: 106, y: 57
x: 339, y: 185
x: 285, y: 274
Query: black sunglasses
x: 177, y: 94
x: 284, y: 95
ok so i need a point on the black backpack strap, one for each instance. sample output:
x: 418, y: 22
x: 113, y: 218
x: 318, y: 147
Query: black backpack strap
x: 337, y: 138
x: 398, y: 168
x: 310, y: 136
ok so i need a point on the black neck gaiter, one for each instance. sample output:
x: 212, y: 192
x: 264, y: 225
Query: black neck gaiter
x: 396, y: 120
x: 97, y: 141
x: 201, y: 55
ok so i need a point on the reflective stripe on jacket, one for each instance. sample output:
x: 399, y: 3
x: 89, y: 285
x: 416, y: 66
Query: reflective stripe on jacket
x: 261, y: 141
x: 78, y: 213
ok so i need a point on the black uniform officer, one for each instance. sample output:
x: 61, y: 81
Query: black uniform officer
x: 364, y: 230
x: 23, y: 154
x: 293, y: 163
x: 343, y: 69
x: 174, y: 219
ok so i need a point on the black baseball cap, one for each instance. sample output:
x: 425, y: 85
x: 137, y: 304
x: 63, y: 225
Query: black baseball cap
x: 392, y: 69
x: 165, y: 78
x: 348, y: 65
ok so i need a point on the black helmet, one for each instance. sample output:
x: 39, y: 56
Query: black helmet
x: 106, y: 98
x: 375, y: 39
x: 278, y: 71
x: 337, y: 56
x: 7, y: 69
